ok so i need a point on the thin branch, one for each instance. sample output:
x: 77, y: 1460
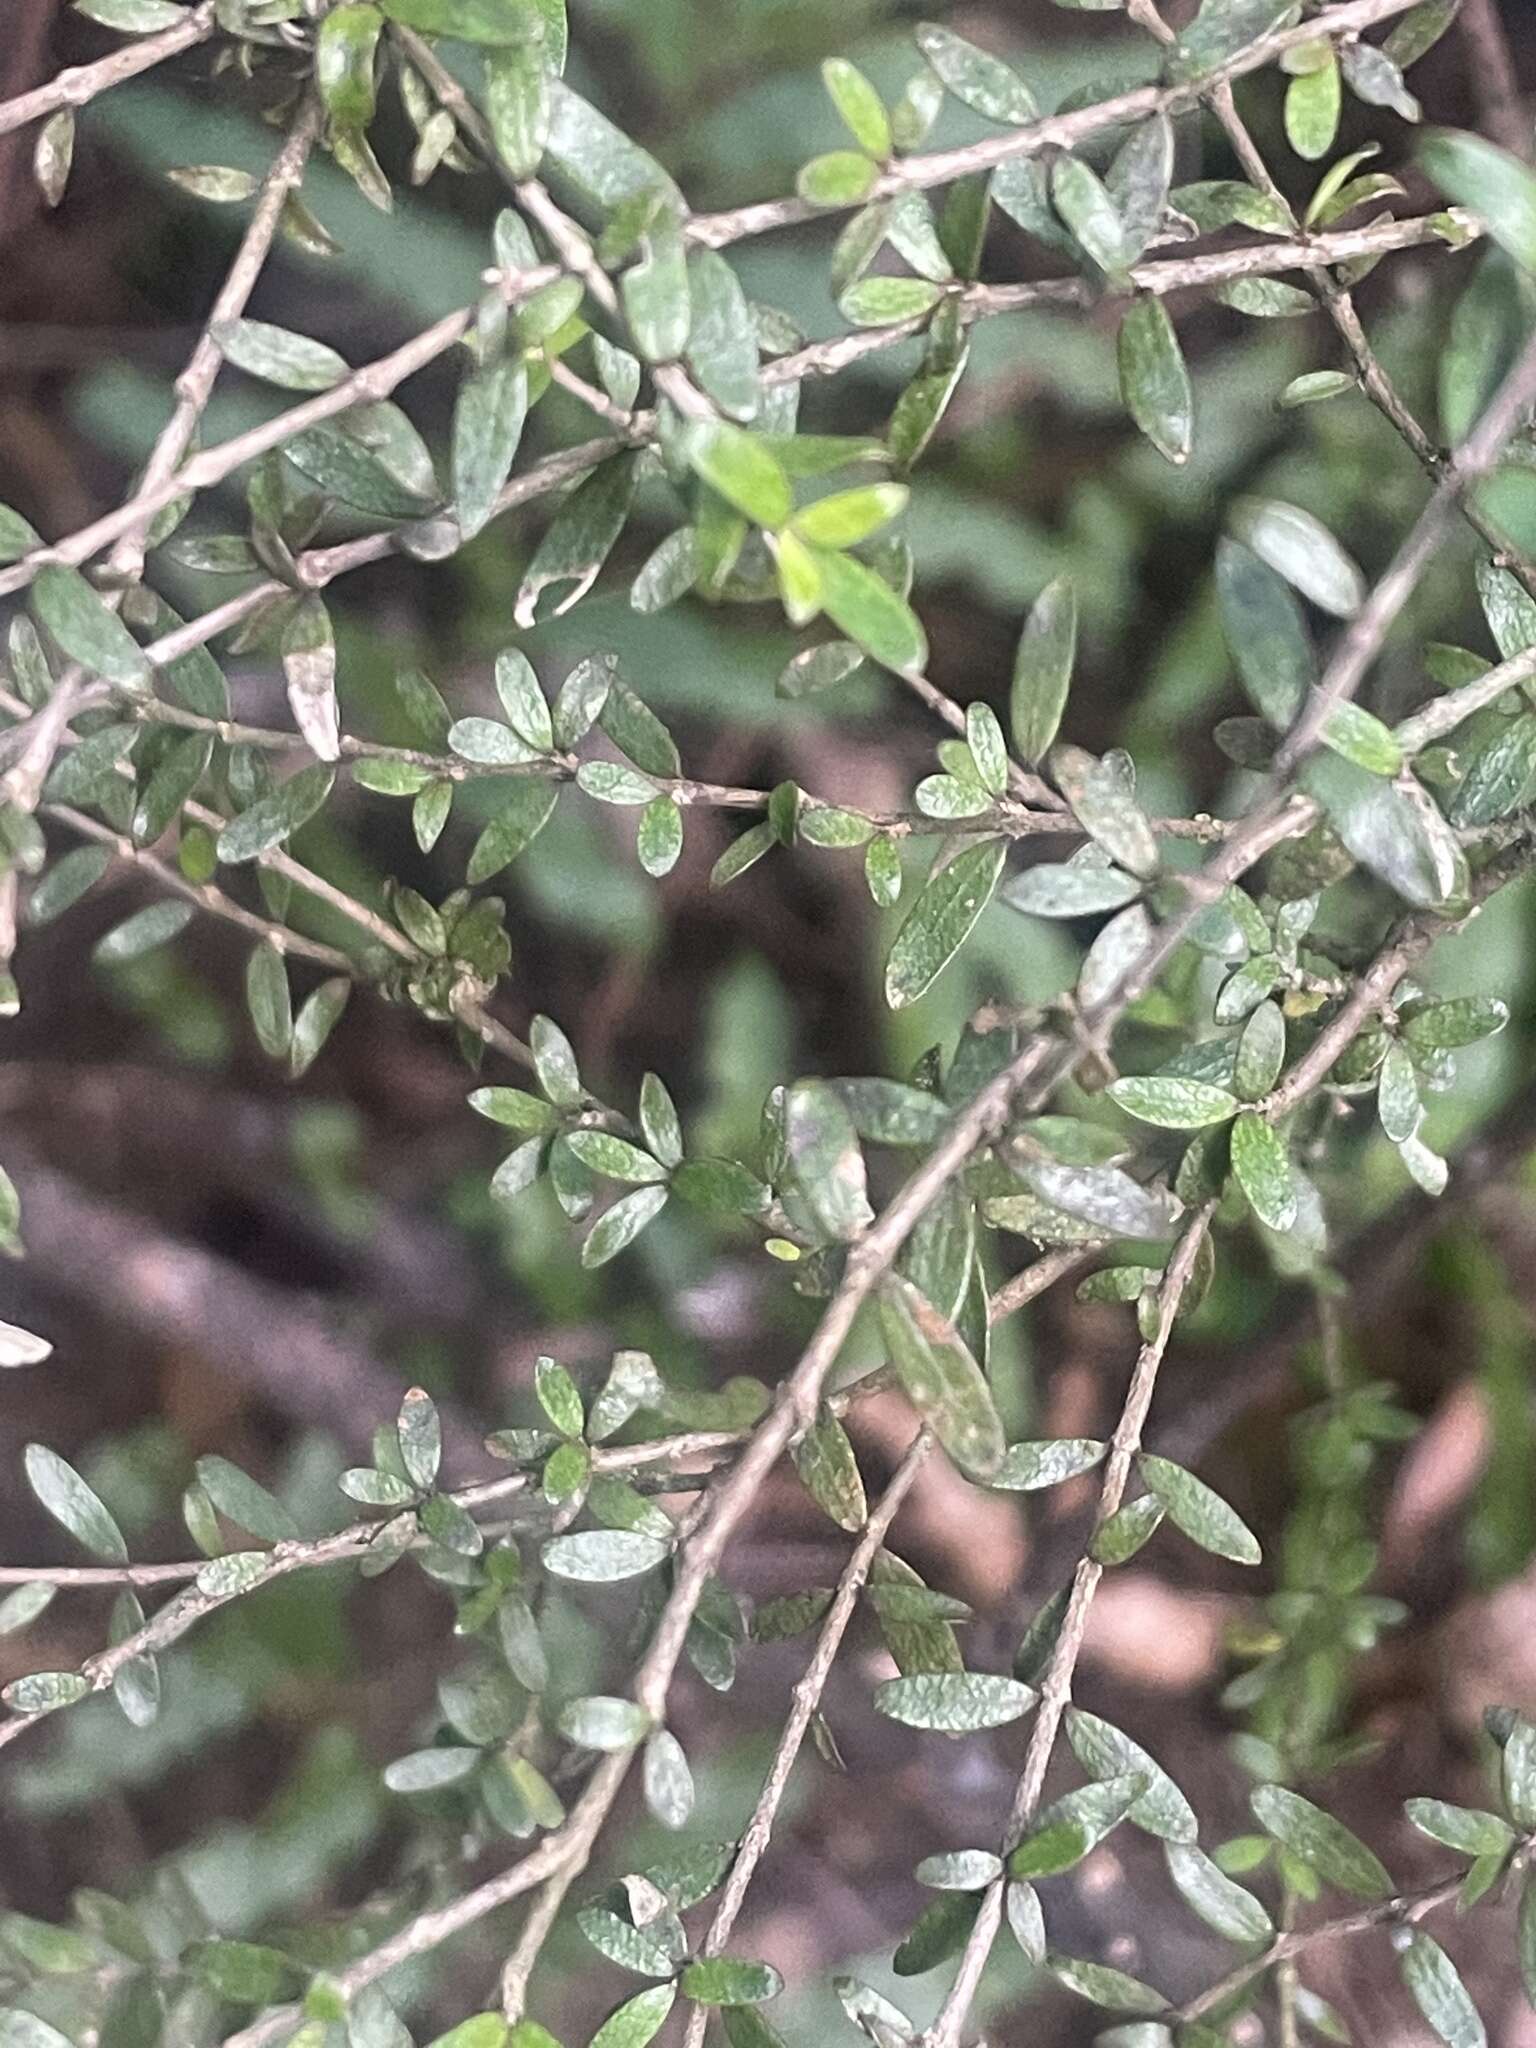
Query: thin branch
x: 1457, y: 706
x: 194, y: 387
x: 85, y: 82
x: 1056, y: 1689
x: 1366, y: 632
x: 1401, y: 1911
x: 1055, y: 131
x: 803, y: 1706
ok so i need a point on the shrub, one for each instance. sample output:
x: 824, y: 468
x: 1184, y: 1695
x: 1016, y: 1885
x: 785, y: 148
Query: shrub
x: 1249, y: 1025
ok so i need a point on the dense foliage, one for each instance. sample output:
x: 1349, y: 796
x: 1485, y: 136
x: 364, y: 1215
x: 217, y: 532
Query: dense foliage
x: 1242, y: 1053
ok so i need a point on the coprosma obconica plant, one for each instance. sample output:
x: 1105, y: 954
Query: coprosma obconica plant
x: 1247, y: 1035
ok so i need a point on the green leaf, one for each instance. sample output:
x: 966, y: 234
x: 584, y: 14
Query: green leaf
x: 1021, y: 1902
x: 829, y: 1471
x: 615, y: 1157
x: 360, y: 463
x: 244, y: 1972
x: 939, y: 1932
x: 579, y: 539
x: 1105, y: 1197
x: 268, y: 999
x: 1437, y: 1990
x: 604, y: 1556
x: 638, y: 2020
x: 1265, y: 633
x: 1463, y: 1828
x: 86, y: 629
x: 500, y: 23
x: 237, y: 1571
x: 1500, y: 777
x: 722, y: 341
x: 962, y: 1870
x: 742, y: 468
x: 1087, y: 206
x: 1154, y: 381
x: 272, y: 819
x: 1104, y: 1986
x: 1321, y: 1842
x: 317, y: 1019
x: 1260, y: 1052
x: 1069, y: 889
x: 487, y: 427
x: 1300, y: 548
x: 1201, y: 1513
x: 1313, y: 386
x: 601, y: 1722
x: 842, y: 177
x: 1220, y: 31
x: 1064, y: 1833
x: 724, y: 1980
x: 1464, y: 1020
x: 940, y: 1378
x: 824, y: 1157
x: 845, y: 518
x: 1102, y: 794
x: 1397, y: 833
x: 346, y: 44
x: 893, y: 1113
x: 1363, y: 739
x: 1026, y: 1467
x: 1173, y: 1104
x: 745, y: 2027
x: 1490, y: 183
x: 1104, y: 1752
x: 942, y: 918
x: 1042, y: 670
x: 1230, y: 1908
x: 980, y: 81
x: 517, y: 106
x: 419, y: 1432
x: 43, y: 1692
x: 1312, y: 102
x: 887, y: 301
x: 873, y: 615
x: 142, y: 933
x: 668, y: 1780
x: 953, y: 1702
x: 244, y: 1501
x: 481, y: 2030
x: 522, y: 813
x: 1263, y: 1169
x: 861, y: 107
x: 1518, y: 1770
x: 1526, y: 1939
x: 655, y: 292
x: 278, y: 356
x: 17, y: 537
x: 73, y: 1504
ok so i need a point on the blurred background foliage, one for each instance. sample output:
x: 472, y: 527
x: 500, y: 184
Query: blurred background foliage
x: 359, y: 1202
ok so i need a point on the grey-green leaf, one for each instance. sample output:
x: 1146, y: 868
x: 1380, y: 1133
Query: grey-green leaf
x: 1201, y: 1513
x: 941, y: 919
x: 1263, y: 1169
x: 941, y: 1378
x: 1325, y: 1844
x: 1154, y: 379
x: 1042, y: 669
x: 953, y: 1702
x: 74, y: 1504
x: 1437, y: 1990
x: 604, y: 1556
